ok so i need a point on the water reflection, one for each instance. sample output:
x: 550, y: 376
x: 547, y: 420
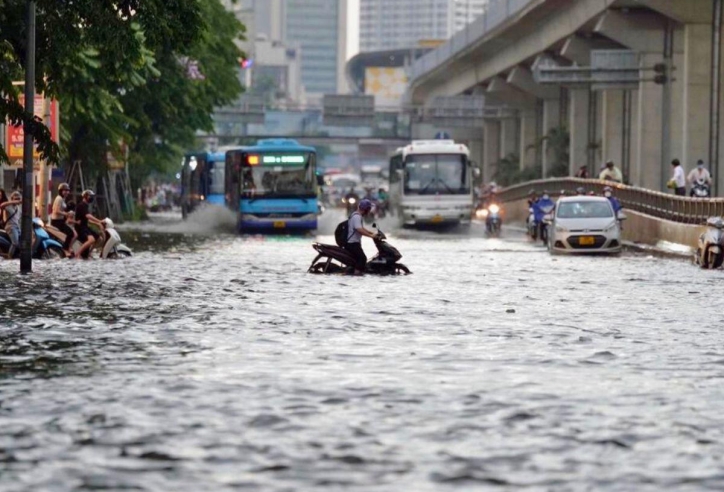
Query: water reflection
x: 213, y: 362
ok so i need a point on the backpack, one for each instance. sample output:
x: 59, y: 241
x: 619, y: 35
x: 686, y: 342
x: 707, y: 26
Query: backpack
x: 341, y: 233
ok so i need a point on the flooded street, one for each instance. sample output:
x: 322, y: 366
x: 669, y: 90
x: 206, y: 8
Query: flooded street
x: 214, y: 362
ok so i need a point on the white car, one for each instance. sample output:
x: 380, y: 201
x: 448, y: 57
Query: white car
x: 585, y: 224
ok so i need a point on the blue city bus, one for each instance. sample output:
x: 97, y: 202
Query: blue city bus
x: 273, y: 186
x: 202, y: 180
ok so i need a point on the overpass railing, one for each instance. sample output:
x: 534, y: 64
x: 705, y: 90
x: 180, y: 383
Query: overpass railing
x: 496, y: 13
x: 654, y: 203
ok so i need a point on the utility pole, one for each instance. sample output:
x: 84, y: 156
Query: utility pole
x: 26, y: 231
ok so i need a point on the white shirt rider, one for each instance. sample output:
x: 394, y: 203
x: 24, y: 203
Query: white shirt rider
x: 699, y: 173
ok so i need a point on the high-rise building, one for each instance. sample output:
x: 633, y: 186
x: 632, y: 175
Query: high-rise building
x: 395, y: 24
x: 319, y: 29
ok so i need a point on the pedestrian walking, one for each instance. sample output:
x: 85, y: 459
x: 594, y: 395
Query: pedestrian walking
x: 678, y: 180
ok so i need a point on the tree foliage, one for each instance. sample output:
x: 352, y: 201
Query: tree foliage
x: 120, y: 72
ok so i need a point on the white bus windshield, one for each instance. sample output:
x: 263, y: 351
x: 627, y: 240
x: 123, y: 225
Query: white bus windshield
x: 436, y: 174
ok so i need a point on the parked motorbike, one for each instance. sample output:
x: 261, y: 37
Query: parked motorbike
x: 334, y: 259
x: 710, y: 249
x: 700, y: 189
x: 43, y: 246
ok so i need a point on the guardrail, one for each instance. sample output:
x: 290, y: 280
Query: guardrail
x: 497, y: 12
x: 654, y: 203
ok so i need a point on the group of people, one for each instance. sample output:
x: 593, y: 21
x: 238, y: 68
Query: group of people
x: 699, y: 176
x: 72, y: 219
x: 540, y: 204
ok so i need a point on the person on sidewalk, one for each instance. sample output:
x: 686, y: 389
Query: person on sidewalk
x: 12, y: 213
x: 678, y: 180
x: 611, y: 173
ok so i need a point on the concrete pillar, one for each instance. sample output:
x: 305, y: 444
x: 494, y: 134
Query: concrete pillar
x: 578, y: 127
x: 528, y: 138
x: 508, y: 137
x: 696, y: 75
x: 551, y: 120
x: 491, y: 149
x: 612, y: 126
x: 648, y: 171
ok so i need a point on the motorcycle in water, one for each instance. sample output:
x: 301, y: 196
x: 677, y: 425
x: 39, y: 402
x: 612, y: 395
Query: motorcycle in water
x: 111, y: 246
x: 350, y: 202
x: 545, y: 217
x: 334, y: 259
x: 700, y: 189
x: 710, y: 249
x: 109, y: 241
x: 43, y: 246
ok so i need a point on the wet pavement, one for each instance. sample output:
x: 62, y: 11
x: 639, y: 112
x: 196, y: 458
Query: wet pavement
x: 214, y: 362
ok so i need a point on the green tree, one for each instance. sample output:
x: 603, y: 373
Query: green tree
x: 120, y: 72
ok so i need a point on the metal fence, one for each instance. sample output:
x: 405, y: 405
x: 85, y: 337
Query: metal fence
x: 654, y: 203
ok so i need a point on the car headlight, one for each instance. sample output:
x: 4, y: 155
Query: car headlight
x: 561, y: 229
x: 481, y: 214
x: 611, y: 227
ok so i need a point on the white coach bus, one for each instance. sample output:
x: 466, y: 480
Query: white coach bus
x: 431, y: 183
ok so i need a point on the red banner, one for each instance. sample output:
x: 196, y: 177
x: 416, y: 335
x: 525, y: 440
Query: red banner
x: 15, y: 135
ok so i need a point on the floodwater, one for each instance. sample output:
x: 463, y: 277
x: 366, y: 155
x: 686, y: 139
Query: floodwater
x: 214, y: 362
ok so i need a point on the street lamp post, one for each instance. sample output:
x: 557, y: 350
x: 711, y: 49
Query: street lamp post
x: 26, y: 232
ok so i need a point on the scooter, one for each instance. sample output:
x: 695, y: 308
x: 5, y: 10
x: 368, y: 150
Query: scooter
x: 109, y: 242
x: 710, y: 249
x: 43, y: 246
x: 112, y: 247
x: 542, y: 226
x: 334, y: 259
x: 700, y: 189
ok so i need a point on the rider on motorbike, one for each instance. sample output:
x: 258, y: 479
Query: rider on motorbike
x: 608, y: 193
x: 542, y: 207
x: 85, y: 234
x: 356, y: 231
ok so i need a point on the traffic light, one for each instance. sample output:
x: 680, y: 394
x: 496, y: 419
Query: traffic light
x: 661, y: 73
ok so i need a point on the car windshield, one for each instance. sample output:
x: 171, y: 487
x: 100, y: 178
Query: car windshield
x: 442, y: 174
x: 279, y: 180
x: 584, y: 210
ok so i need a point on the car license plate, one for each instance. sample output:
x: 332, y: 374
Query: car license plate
x: 279, y: 224
x: 586, y: 240
x: 436, y: 219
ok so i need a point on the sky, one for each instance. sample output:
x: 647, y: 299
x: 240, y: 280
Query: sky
x: 352, y: 28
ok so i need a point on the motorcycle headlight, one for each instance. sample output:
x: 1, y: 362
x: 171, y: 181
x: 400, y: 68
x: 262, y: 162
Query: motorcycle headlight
x: 481, y: 214
x: 494, y: 209
x: 352, y: 201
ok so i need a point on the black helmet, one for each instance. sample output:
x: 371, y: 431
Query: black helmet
x: 63, y: 187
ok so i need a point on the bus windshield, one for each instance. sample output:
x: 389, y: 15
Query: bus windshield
x: 273, y: 177
x: 436, y: 174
